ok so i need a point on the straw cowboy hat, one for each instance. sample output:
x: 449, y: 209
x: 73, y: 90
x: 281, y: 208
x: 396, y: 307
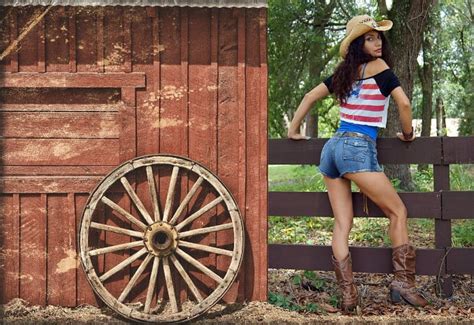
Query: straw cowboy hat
x: 359, y: 25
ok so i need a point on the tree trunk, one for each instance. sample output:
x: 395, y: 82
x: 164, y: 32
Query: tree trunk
x: 441, y: 130
x: 426, y: 78
x: 409, y: 19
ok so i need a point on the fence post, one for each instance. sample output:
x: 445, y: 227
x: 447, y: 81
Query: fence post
x: 444, y: 282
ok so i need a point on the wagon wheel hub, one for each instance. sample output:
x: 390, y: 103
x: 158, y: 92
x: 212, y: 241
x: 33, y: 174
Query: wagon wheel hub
x: 161, y: 239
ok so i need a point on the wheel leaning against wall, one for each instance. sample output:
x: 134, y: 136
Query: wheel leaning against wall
x: 155, y: 241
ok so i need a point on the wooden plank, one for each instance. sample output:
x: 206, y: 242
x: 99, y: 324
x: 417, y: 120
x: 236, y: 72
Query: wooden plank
x: 254, y: 245
x: 114, y: 47
x: 459, y: 261
x: 202, y: 119
x: 86, y: 39
x: 180, y: 287
x: 100, y: 44
x: 56, y: 170
x: 57, y: 39
x: 426, y: 150
x: 27, y: 53
x: 13, y: 36
x: 458, y: 204
x: 127, y: 39
x: 62, y: 257
x: 22, y: 152
x: 128, y: 128
x: 72, y: 38
x: 75, y: 125
x: 30, y: 108
x: 72, y: 80
x: 364, y: 259
x: 419, y: 205
x: 41, y: 35
x: 229, y: 127
x: 226, y: 239
x: 85, y: 294
x: 263, y: 129
x: 9, y: 247
x: 173, y: 114
x: 47, y: 184
x: 33, y: 223
x: 458, y: 150
x: 5, y: 36
x: 443, y: 227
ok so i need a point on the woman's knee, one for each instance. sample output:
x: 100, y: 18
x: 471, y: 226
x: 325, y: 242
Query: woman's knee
x: 398, y: 214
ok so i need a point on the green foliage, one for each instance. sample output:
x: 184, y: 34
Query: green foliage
x: 463, y: 233
x: 372, y: 231
x: 282, y: 301
x: 461, y: 177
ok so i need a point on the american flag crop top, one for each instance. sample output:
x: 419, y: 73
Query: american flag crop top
x: 368, y: 100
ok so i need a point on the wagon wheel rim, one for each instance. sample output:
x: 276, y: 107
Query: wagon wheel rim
x: 162, y: 240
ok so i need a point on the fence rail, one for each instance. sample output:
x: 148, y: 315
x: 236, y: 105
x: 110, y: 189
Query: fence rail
x: 442, y: 205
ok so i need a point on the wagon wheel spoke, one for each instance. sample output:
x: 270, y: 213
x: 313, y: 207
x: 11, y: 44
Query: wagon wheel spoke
x: 135, y: 277
x: 151, y: 284
x: 199, y: 265
x: 136, y: 200
x: 186, y: 200
x: 123, y: 212
x: 115, y: 248
x: 199, y: 213
x: 160, y: 234
x: 116, y: 230
x: 169, y: 285
x: 209, y: 249
x: 205, y: 230
x: 186, y: 278
x: 129, y: 260
x: 171, y: 189
x: 153, y: 191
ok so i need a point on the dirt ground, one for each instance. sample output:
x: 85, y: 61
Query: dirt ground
x: 373, y: 288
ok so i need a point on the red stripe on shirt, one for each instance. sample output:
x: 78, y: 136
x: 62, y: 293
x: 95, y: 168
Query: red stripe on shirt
x: 362, y: 118
x: 370, y: 86
x: 372, y: 108
x: 373, y: 97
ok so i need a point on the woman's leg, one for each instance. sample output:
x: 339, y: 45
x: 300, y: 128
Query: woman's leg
x: 379, y: 189
x: 340, y: 197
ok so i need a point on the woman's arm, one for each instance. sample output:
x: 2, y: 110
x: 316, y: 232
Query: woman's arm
x: 404, y: 110
x: 318, y: 92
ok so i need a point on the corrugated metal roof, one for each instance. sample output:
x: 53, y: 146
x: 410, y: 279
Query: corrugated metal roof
x: 153, y: 3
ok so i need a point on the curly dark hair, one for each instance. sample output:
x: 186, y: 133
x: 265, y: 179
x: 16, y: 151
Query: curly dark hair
x: 348, y: 70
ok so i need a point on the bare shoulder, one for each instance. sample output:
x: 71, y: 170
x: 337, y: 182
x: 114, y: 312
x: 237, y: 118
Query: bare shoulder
x: 376, y: 66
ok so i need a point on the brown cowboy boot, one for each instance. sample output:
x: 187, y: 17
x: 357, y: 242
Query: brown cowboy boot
x: 403, y: 284
x: 345, y: 280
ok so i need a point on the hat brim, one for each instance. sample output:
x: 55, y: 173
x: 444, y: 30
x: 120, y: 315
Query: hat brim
x: 361, y: 29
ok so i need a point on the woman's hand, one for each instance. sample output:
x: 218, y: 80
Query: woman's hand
x: 297, y: 136
x: 402, y: 137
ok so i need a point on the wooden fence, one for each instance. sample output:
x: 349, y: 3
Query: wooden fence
x: 442, y: 205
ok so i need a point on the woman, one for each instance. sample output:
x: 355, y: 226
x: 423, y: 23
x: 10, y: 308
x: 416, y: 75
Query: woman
x: 363, y: 83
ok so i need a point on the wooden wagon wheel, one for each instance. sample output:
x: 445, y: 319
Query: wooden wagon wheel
x: 156, y: 239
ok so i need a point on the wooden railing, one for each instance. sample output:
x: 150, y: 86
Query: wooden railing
x: 442, y: 205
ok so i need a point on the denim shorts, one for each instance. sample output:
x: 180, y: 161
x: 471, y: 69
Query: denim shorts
x: 348, y: 152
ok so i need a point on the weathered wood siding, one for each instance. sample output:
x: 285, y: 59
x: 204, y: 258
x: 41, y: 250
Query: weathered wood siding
x: 92, y: 87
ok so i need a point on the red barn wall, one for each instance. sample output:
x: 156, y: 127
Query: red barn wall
x: 88, y: 88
